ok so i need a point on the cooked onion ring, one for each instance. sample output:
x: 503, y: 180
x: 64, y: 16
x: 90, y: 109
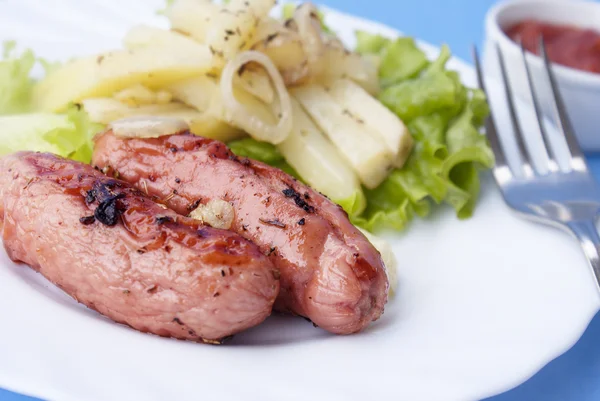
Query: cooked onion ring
x: 306, y: 19
x: 237, y: 115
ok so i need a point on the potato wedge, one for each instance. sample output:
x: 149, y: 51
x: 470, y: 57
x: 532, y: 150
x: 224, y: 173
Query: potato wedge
x: 103, y: 75
x: 139, y: 95
x: 317, y: 161
x: 376, y: 116
x: 192, y: 17
x: 142, y: 36
x: 224, y: 29
x: 198, y: 92
x: 363, y: 149
x: 260, y: 8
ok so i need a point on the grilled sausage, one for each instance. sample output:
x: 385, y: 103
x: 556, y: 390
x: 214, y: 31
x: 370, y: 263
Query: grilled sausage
x: 330, y: 273
x: 114, y: 250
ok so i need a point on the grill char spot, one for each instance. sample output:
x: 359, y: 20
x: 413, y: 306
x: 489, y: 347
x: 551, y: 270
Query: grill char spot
x: 299, y: 200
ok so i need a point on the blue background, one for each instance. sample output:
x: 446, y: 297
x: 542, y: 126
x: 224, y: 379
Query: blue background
x: 574, y: 376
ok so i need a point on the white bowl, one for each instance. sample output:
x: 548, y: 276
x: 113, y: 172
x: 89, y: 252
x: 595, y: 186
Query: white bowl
x: 580, y: 89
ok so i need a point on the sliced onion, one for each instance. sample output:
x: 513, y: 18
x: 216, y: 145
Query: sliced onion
x: 306, y: 19
x: 285, y: 48
x: 341, y: 63
x: 148, y: 127
x: 256, y: 83
x: 216, y: 213
x: 235, y: 112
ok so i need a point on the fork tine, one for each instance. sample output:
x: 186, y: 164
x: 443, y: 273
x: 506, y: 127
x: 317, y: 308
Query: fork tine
x: 502, y: 170
x: 522, y: 148
x: 490, y: 126
x: 559, y: 106
x: 538, y: 113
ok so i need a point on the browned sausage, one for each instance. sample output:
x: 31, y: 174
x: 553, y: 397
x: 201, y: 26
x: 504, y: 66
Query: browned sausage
x: 330, y: 273
x: 114, y: 250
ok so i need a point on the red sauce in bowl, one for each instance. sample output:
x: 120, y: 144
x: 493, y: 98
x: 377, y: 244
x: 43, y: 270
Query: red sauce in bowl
x: 567, y: 45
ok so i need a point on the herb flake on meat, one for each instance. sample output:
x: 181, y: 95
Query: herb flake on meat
x: 163, y: 219
x: 87, y: 220
x: 272, y: 222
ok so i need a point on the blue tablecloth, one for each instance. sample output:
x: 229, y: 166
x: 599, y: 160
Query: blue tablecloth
x: 574, y: 376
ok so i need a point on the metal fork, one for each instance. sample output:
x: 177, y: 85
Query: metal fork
x: 565, y: 198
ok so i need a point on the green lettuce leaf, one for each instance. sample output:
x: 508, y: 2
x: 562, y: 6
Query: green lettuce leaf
x: 430, y: 133
x: 68, y: 135
x: 76, y: 140
x: 394, y: 203
x: 367, y: 43
x: 420, y: 96
x: 439, y: 65
x: 354, y: 204
x: 15, y: 80
x: 468, y: 150
x: 26, y: 132
x: 253, y: 149
x: 401, y: 60
x: 435, y: 89
x: 444, y: 117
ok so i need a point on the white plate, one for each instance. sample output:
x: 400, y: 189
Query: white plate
x: 483, y: 304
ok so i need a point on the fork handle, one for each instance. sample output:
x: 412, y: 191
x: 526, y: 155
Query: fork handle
x: 587, y: 234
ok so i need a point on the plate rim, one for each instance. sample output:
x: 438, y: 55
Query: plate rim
x: 26, y: 389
